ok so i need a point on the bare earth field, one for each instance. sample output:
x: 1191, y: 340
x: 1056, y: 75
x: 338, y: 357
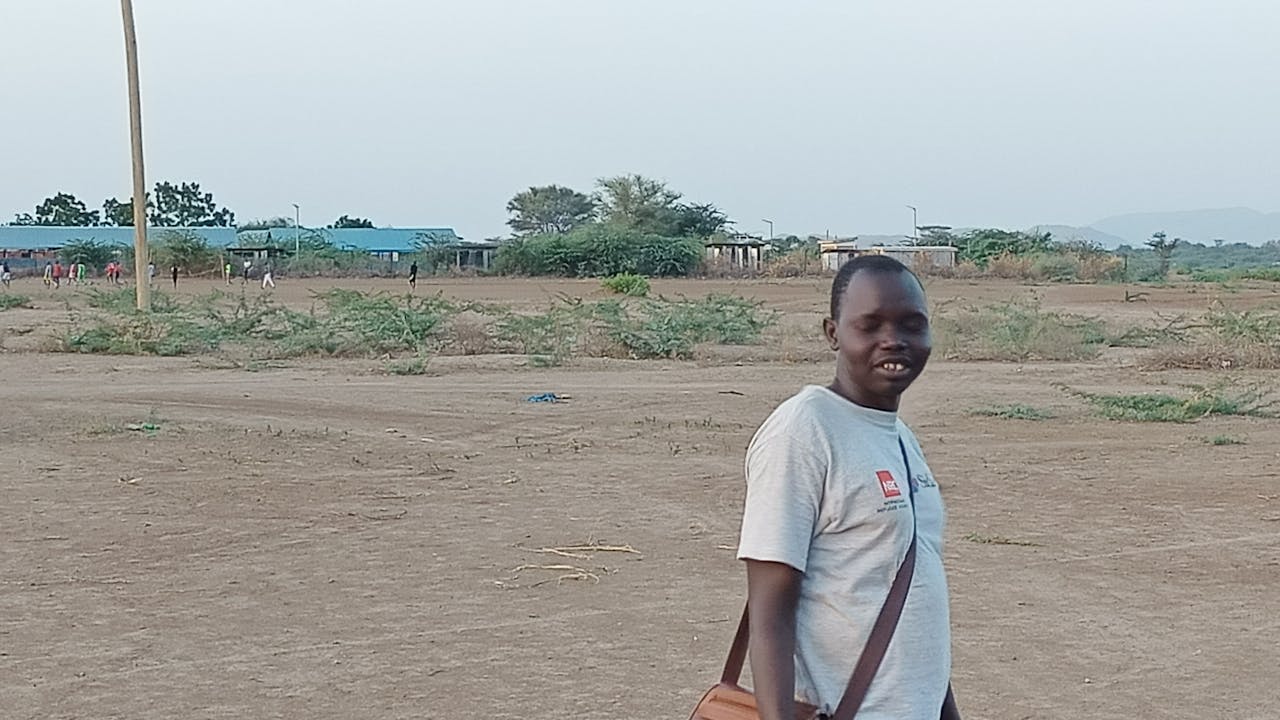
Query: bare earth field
x: 316, y: 539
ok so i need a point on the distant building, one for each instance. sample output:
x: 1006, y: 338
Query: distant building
x: 738, y: 250
x: 28, y: 246
x: 383, y: 243
x: 836, y: 254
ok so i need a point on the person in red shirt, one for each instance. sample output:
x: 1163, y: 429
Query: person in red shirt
x: 57, y: 273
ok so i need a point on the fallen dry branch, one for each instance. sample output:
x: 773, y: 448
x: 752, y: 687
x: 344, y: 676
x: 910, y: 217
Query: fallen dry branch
x: 571, y: 572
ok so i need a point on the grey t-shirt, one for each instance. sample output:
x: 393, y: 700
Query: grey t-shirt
x: 825, y: 495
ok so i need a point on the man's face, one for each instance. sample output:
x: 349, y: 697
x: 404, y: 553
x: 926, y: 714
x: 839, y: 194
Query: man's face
x: 881, y: 338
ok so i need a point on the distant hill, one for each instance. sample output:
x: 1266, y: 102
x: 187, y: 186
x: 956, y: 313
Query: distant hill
x: 1067, y: 233
x: 1233, y: 225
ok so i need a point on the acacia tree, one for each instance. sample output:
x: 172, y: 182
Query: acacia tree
x: 118, y: 213
x: 1164, y: 250
x: 346, y: 222
x: 640, y: 203
x: 549, y: 209
x: 185, y: 205
x: 637, y: 202
x: 62, y: 209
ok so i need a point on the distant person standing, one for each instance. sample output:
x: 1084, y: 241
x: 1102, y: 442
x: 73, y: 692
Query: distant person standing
x: 266, y: 277
x: 413, y: 275
x: 248, y: 265
x: 226, y: 272
x: 48, y: 273
x: 57, y: 273
x: 80, y: 273
x: 151, y: 274
x: 174, y: 271
x: 5, y: 275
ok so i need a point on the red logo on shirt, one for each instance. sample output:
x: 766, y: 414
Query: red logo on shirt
x: 888, y: 484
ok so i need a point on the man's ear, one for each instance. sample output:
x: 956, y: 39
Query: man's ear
x: 829, y: 329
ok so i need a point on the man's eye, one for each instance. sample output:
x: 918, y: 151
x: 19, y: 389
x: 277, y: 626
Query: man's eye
x: 917, y: 325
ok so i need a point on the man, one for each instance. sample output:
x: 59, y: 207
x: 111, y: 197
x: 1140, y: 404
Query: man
x: 174, y: 271
x: 413, y: 275
x: 831, y: 511
x: 266, y: 277
x: 248, y: 265
x: 5, y: 275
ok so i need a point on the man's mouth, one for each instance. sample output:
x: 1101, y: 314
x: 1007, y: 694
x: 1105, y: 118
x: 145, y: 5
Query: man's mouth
x: 894, y: 367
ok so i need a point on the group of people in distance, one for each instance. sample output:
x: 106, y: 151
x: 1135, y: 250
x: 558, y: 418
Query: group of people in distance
x: 55, y: 272
x: 75, y: 272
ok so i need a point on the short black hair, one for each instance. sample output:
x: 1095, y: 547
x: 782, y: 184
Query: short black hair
x: 870, y: 263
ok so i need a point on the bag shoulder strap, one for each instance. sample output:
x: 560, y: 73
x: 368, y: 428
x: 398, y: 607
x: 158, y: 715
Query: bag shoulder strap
x: 877, y: 642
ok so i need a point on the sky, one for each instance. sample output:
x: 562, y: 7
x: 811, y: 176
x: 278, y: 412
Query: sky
x: 821, y: 115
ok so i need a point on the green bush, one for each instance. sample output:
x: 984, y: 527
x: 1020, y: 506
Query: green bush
x: 1016, y: 331
x: 600, y: 250
x: 670, y: 329
x: 9, y: 301
x: 1162, y: 407
x: 627, y: 284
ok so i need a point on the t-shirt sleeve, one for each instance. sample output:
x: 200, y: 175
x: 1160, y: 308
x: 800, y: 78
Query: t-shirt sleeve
x: 785, y: 481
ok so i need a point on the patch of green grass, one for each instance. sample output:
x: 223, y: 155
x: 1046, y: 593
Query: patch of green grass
x: 8, y: 301
x: 1016, y: 331
x: 416, y: 365
x: 671, y: 328
x: 627, y: 284
x: 1162, y: 407
x: 1221, y: 440
x: 1013, y: 412
x: 353, y: 324
x: 974, y: 537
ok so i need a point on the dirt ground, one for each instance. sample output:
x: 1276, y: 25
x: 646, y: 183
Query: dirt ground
x: 320, y: 540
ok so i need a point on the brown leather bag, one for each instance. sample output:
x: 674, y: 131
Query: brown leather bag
x: 727, y: 700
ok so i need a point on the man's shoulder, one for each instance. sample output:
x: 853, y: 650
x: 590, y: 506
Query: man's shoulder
x: 807, y: 409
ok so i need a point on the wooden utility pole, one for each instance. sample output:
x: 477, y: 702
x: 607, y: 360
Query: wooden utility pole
x: 142, y: 282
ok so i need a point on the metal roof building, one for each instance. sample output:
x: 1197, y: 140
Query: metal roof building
x: 17, y: 239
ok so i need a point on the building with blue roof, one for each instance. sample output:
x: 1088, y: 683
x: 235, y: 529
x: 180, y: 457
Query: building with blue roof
x: 383, y: 243
x: 29, y: 245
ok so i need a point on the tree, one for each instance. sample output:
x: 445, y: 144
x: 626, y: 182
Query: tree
x: 93, y: 253
x: 187, y: 250
x: 549, y: 209
x: 63, y: 209
x: 186, y: 205
x: 700, y: 221
x: 119, y: 214
x: 638, y: 202
x: 1163, y: 247
x: 980, y: 246
x: 266, y: 224
x: 345, y: 222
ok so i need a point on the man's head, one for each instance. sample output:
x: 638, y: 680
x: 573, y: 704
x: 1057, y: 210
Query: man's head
x: 879, y: 328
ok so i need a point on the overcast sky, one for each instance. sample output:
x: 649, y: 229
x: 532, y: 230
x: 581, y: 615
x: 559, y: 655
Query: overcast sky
x: 820, y: 115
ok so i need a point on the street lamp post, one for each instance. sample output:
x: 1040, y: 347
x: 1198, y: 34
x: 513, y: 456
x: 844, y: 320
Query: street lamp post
x: 770, y: 227
x: 297, y: 230
x: 915, y: 225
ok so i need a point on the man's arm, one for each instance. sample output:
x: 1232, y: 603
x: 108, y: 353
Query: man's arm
x: 772, y: 591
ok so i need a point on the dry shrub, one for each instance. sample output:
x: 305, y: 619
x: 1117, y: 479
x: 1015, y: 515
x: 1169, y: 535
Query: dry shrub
x: 1012, y: 267
x: 723, y: 268
x: 1100, y: 268
x: 798, y: 262
x: 471, y: 334
x: 966, y: 269
x: 1212, y: 356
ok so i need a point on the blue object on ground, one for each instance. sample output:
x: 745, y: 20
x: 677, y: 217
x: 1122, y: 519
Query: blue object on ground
x: 542, y: 397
